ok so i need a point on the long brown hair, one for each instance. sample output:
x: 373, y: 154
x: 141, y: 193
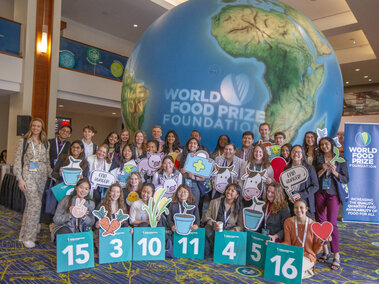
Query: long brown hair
x: 42, y: 135
x: 265, y: 160
x: 190, y: 199
x: 128, y: 186
x: 280, y: 200
x: 144, y: 140
x: 107, y: 202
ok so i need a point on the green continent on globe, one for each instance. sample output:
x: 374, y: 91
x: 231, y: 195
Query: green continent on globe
x: 134, y: 97
x: 292, y: 74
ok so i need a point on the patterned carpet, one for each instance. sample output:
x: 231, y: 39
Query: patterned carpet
x: 359, y: 252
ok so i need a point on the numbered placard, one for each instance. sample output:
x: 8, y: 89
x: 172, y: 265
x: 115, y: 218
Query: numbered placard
x: 256, y: 248
x: 149, y: 243
x: 191, y: 245
x: 115, y: 248
x: 230, y: 247
x: 283, y: 263
x: 74, y: 251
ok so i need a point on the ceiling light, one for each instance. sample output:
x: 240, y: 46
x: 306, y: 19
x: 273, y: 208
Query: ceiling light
x: 347, y: 82
x: 357, y: 69
x: 135, y: 25
x: 60, y: 105
x: 369, y: 80
x: 365, y: 76
x: 353, y: 41
x: 113, y: 113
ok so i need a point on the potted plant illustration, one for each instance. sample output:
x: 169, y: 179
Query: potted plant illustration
x: 253, y: 215
x: 72, y: 172
x: 184, y: 221
x: 156, y: 206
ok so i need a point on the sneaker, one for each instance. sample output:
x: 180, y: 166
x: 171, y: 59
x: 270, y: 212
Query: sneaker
x: 29, y: 244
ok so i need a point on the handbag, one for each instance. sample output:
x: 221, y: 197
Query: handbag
x: 342, y: 190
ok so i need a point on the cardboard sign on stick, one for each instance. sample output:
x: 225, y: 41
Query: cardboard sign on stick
x: 323, y: 231
x: 292, y: 177
x: 156, y: 206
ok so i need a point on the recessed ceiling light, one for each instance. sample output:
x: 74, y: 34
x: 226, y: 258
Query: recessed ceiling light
x: 60, y: 105
x: 113, y: 113
x: 357, y: 69
x: 365, y: 76
x: 369, y: 80
x: 347, y: 82
x: 353, y: 41
x: 135, y: 25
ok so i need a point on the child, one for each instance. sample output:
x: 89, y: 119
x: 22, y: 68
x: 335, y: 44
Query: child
x: 112, y: 142
x: 168, y: 177
x: 280, y: 138
x: 139, y: 217
x: 89, y: 148
x: 64, y: 221
x: 134, y: 186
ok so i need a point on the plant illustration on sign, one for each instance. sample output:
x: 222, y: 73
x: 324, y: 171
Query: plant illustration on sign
x: 184, y: 221
x: 110, y: 227
x: 156, y: 206
x: 253, y: 215
x: 337, y: 157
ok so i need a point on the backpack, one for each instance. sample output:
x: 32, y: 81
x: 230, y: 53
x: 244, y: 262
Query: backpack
x: 25, y: 147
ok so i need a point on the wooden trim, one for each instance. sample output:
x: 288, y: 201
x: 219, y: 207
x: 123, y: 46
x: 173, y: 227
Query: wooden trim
x: 87, y: 73
x: 11, y: 20
x: 11, y: 54
x: 359, y: 114
x: 95, y: 47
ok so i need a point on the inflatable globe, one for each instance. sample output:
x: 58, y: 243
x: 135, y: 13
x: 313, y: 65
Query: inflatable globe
x: 224, y: 67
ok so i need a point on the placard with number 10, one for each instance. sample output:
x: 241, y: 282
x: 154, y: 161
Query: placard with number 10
x: 191, y: 245
x: 149, y: 243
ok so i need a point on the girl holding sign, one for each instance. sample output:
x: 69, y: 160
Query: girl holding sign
x: 276, y: 211
x: 168, y: 177
x: 74, y: 212
x: 138, y: 216
x: 330, y: 174
x: 298, y: 232
x: 124, y: 165
x: 171, y: 143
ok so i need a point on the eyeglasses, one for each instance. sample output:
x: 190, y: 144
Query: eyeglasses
x: 76, y: 147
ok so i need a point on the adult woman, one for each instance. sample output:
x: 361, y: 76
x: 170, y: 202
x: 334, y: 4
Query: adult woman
x: 124, y: 139
x: 221, y: 142
x: 100, y: 162
x: 171, y: 143
x: 327, y: 198
x: 31, y: 168
x: 139, y: 143
x: 276, y: 211
x: 310, y: 145
x: 168, y: 177
x: 64, y: 220
x: 112, y: 142
x: 224, y: 212
x: 258, y: 162
x: 306, y: 190
x: 77, y: 152
x: 285, y: 152
x: 298, y: 232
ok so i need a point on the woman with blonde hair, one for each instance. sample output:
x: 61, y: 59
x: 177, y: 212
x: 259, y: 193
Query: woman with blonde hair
x: 32, y: 168
x: 276, y: 211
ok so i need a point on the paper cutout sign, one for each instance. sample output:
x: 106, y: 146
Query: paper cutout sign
x: 253, y: 215
x: 266, y: 144
x: 223, y: 177
x: 323, y: 231
x: 61, y: 190
x: 132, y: 197
x: 122, y: 175
x: 170, y: 185
x: 110, y: 227
x: 273, y: 151
x: 151, y: 164
x: 101, y: 178
x: 321, y: 133
x: 291, y: 177
x: 253, y: 183
x: 184, y: 221
x: 278, y: 164
x: 199, y: 164
x: 72, y: 171
x: 156, y: 206
x: 337, y: 157
x: 79, y: 210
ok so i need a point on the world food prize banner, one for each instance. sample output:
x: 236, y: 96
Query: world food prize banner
x: 361, y: 152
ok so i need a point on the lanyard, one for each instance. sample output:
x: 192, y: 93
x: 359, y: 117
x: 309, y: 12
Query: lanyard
x: 226, y: 217
x: 246, y: 154
x: 305, y: 232
x: 34, y: 150
x: 225, y: 164
x: 266, y: 214
x: 56, y: 144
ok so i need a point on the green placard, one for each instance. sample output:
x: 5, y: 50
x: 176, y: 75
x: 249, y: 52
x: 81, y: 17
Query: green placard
x: 284, y: 263
x: 256, y: 248
x: 230, y: 247
x: 149, y: 243
x: 191, y: 245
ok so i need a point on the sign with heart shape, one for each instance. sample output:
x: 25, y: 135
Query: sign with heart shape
x: 323, y: 231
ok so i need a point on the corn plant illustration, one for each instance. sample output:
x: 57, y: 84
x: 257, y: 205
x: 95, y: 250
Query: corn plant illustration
x: 337, y: 157
x: 156, y: 206
x: 184, y: 221
x: 110, y: 227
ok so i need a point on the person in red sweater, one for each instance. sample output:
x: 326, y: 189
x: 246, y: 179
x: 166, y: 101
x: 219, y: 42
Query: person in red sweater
x: 298, y: 232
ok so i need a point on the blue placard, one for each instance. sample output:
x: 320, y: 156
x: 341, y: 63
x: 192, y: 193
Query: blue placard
x: 199, y: 165
x: 230, y: 247
x: 191, y: 245
x: 115, y: 248
x: 149, y: 243
x: 61, y: 190
x: 283, y: 263
x: 256, y: 248
x: 74, y: 251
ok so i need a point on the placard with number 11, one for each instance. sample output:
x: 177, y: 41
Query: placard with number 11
x: 191, y: 245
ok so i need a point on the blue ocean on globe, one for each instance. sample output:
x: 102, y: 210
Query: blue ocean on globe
x: 224, y: 67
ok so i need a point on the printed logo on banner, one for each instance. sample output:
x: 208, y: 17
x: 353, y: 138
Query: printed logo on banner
x: 363, y: 156
x: 363, y: 139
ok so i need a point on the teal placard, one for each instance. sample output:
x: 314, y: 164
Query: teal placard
x: 191, y: 245
x: 256, y: 248
x: 230, y: 247
x: 149, y: 243
x: 115, y: 248
x: 284, y: 263
x: 74, y: 251
x: 61, y: 189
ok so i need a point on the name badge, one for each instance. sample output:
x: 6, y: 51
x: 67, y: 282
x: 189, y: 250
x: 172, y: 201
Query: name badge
x: 33, y: 165
x: 188, y: 182
x: 265, y: 232
x: 326, y: 183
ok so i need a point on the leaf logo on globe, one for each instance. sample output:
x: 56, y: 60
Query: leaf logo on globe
x: 234, y: 89
x: 363, y: 138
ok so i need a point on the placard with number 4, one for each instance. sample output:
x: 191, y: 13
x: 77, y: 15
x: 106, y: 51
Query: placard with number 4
x: 230, y: 247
